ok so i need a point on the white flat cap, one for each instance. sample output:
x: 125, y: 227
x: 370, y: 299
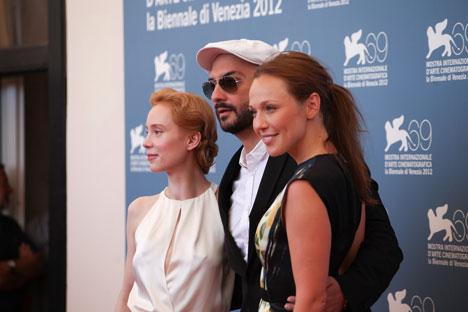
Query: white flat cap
x: 252, y: 51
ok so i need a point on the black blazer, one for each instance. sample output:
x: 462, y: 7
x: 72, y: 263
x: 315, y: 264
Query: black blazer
x: 277, y: 173
x: 375, y: 265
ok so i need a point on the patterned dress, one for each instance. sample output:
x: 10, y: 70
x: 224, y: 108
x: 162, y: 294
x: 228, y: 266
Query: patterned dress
x: 331, y: 178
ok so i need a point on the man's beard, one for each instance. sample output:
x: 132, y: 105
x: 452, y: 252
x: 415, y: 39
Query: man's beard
x: 243, y: 121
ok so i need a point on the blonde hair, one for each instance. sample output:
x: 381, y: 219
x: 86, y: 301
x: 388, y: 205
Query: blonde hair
x: 192, y: 113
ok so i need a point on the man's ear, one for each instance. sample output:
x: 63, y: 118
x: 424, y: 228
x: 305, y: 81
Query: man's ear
x: 312, y: 105
x: 193, y: 140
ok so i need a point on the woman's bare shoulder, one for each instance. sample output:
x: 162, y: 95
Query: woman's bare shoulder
x: 140, y: 207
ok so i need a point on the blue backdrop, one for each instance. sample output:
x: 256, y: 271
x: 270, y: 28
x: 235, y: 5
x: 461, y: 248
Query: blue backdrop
x: 406, y: 63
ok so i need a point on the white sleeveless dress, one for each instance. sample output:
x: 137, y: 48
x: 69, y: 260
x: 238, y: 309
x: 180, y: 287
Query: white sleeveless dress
x: 198, y: 276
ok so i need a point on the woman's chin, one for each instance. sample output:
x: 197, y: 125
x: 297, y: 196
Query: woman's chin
x: 156, y: 169
x: 274, y: 152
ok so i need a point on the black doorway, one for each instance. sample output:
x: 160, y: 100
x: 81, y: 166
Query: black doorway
x: 49, y: 60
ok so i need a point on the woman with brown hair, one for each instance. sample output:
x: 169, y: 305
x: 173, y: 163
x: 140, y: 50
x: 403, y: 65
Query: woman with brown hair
x: 175, y: 239
x: 314, y: 227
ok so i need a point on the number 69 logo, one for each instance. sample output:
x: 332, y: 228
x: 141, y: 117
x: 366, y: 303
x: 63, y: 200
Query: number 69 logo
x: 420, y: 134
x: 377, y: 47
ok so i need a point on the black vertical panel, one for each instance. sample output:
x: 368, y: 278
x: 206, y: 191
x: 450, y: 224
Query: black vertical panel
x: 0, y: 117
x: 57, y: 161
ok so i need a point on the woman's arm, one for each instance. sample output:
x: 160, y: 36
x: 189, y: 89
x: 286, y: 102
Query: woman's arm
x: 132, y: 220
x: 309, y: 238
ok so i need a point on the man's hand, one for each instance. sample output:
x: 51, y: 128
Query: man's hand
x: 290, y: 305
x: 335, y: 297
x: 4, y: 268
x: 28, y: 264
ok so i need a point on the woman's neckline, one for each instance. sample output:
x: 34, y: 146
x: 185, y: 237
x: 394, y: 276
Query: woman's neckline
x: 316, y: 156
x: 186, y: 199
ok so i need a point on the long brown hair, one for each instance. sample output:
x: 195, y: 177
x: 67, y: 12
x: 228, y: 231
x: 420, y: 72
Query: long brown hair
x: 304, y: 75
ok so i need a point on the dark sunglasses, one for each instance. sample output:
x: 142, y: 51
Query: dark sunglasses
x: 227, y: 83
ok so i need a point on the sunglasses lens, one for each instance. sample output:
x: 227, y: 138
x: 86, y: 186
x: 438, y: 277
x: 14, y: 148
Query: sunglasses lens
x: 228, y: 84
x: 208, y: 88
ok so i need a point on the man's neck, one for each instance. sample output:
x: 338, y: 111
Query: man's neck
x: 248, y: 138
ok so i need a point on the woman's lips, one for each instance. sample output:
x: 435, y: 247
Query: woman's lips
x: 268, y: 139
x: 151, y: 156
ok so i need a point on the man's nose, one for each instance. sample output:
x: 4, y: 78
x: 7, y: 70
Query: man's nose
x: 218, y: 94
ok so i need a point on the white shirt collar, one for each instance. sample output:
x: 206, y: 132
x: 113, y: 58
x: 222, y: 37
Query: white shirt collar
x: 250, y: 160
